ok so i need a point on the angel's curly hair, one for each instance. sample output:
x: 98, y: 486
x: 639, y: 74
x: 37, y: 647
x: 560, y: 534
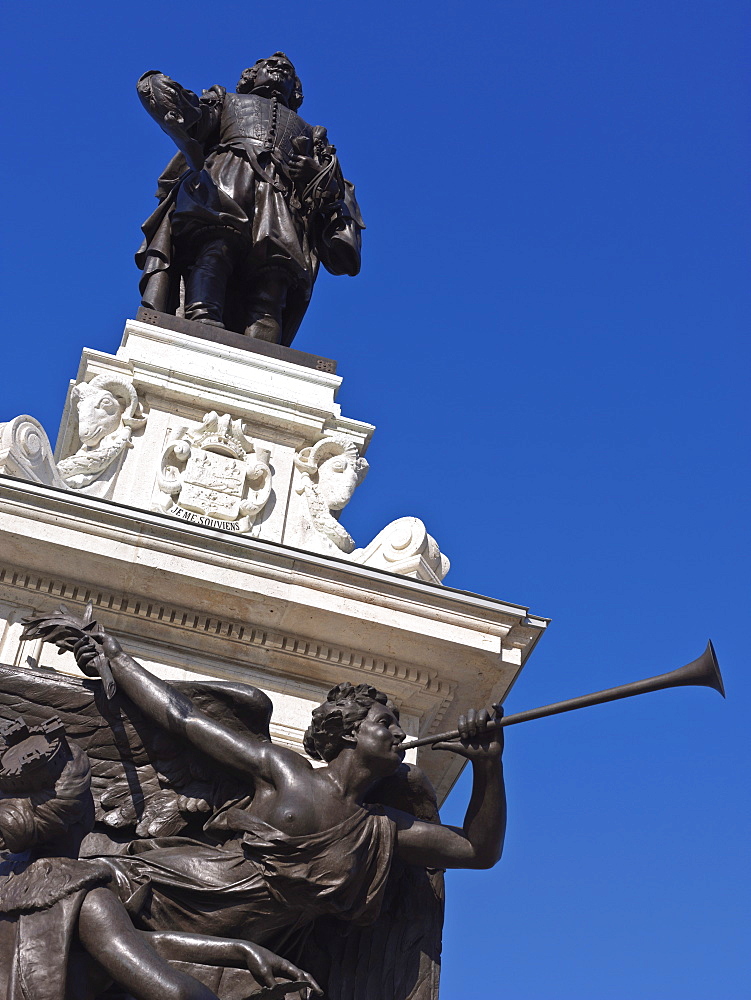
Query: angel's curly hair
x: 345, y: 707
x: 247, y: 80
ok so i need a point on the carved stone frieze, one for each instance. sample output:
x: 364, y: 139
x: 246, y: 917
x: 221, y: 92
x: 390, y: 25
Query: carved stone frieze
x: 108, y: 411
x: 330, y: 471
x: 215, y: 475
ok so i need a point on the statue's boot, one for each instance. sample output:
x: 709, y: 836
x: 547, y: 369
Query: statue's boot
x: 267, y: 305
x: 206, y: 284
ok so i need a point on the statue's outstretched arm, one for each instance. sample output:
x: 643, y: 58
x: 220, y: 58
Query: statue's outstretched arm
x: 479, y: 843
x: 179, y: 112
x: 177, y: 714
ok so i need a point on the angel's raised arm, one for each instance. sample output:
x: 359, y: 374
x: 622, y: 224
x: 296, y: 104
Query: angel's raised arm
x: 176, y: 713
x: 479, y: 843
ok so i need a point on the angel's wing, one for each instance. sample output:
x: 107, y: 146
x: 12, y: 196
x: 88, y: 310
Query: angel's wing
x: 145, y: 782
x: 398, y: 957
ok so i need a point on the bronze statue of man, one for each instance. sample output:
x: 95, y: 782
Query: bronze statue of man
x: 249, y: 208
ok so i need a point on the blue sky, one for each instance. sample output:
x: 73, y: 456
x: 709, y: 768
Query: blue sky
x: 550, y: 332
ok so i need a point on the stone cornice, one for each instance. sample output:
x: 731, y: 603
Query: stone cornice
x: 117, y: 522
x: 40, y: 590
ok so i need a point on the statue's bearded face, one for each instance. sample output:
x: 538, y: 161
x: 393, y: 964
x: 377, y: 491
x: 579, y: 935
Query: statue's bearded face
x: 98, y: 415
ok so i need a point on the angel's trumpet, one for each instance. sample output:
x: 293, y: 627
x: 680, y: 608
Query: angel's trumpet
x: 702, y: 672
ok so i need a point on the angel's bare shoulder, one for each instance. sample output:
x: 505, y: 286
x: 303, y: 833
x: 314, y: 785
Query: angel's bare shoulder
x: 292, y: 756
x: 286, y: 761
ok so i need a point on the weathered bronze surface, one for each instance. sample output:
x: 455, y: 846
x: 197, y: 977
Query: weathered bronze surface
x: 248, y: 209
x: 173, y: 851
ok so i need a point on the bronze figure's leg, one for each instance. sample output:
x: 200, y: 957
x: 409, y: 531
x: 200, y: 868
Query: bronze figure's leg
x: 7, y: 947
x: 267, y: 304
x: 106, y: 932
x: 206, y: 284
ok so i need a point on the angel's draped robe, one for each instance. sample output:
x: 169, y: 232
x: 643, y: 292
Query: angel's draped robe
x: 265, y: 887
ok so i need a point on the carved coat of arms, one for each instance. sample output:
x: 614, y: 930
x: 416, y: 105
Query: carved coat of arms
x: 215, y: 475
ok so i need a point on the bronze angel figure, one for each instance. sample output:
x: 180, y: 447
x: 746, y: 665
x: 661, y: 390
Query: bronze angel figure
x: 157, y: 843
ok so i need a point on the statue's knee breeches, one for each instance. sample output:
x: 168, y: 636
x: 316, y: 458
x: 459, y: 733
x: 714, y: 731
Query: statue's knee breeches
x: 206, y: 281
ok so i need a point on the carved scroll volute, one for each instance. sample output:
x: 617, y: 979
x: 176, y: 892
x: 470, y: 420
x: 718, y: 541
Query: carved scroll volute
x: 258, y: 483
x: 215, y: 475
x: 25, y: 452
x: 406, y: 548
x: 169, y: 477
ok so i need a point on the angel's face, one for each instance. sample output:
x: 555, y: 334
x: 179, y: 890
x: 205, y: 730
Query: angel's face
x: 379, y: 737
